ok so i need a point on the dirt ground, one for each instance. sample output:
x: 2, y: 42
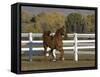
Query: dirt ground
x: 41, y: 62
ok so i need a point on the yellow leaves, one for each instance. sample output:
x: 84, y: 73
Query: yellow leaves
x: 25, y: 17
x: 50, y: 21
x: 90, y: 22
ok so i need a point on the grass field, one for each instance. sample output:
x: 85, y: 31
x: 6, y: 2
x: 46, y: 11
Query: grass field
x: 41, y: 62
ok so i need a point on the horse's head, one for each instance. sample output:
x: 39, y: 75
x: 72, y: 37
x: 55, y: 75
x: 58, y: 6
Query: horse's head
x: 62, y: 31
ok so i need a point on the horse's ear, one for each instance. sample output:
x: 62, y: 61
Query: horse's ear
x: 49, y: 31
x: 63, y: 26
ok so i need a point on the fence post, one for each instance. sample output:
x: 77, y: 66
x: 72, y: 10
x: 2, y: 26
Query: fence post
x: 30, y: 47
x: 75, y: 47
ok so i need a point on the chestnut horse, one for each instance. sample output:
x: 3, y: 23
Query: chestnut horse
x: 54, y: 42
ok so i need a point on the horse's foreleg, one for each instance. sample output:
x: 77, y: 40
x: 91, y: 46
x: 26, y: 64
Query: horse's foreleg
x: 62, y: 54
x: 47, y: 51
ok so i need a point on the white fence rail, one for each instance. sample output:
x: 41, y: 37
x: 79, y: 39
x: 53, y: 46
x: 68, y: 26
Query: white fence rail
x: 75, y: 43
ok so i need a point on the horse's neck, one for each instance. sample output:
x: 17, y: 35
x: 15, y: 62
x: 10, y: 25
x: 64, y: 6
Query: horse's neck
x: 58, y: 36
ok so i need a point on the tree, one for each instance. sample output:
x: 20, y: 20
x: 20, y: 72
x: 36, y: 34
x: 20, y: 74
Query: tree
x: 33, y: 19
x: 90, y: 23
x: 75, y: 23
x: 49, y: 21
x: 25, y: 17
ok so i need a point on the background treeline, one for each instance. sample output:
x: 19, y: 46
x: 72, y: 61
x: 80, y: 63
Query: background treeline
x: 74, y: 22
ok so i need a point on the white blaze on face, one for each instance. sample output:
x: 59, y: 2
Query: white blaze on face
x: 51, y: 34
x: 48, y: 50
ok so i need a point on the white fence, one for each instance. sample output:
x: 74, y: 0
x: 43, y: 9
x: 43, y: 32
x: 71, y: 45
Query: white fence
x: 75, y: 42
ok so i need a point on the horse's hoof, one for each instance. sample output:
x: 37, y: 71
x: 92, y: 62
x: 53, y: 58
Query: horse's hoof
x: 30, y: 60
x: 62, y: 59
x: 54, y: 60
x: 47, y: 54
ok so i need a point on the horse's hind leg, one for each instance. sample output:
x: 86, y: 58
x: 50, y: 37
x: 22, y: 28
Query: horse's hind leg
x: 45, y: 50
x: 53, y: 54
x: 45, y: 53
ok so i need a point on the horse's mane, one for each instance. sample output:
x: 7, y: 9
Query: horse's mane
x: 59, y: 30
x: 46, y: 33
